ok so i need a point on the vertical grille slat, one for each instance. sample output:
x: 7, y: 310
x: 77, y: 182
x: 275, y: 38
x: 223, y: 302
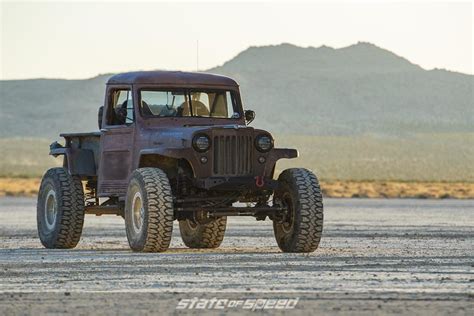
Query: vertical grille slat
x: 244, y: 152
x: 215, y: 156
x: 222, y: 160
x: 232, y: 155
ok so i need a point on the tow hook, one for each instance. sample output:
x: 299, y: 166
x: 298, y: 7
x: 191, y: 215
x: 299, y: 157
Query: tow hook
x: 259, y: 181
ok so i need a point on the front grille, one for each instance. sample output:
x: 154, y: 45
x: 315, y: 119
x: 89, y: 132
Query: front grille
x: 232, y: 155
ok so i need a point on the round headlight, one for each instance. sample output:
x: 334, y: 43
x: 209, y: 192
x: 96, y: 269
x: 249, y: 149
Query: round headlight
x: 264, y: 143
x: 201, y: 143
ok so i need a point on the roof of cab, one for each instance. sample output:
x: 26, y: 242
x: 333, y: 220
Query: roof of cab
x: 171, y: 78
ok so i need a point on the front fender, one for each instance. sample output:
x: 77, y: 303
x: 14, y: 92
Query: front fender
x: 165, y: 154
x: 277, y: 154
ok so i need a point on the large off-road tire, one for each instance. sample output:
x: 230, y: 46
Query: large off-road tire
x: 149, y: 210
x: 208, y: 235
x: 60, y: 209
x: 301, y: 229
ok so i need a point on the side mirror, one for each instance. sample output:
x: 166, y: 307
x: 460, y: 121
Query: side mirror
x: 100, y: 114
x: 249, y: 116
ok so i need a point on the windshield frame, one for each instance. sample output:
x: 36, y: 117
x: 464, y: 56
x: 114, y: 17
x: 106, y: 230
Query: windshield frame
x: 235, y: 99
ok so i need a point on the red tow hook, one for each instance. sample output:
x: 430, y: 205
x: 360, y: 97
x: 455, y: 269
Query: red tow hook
x: 259, y: 182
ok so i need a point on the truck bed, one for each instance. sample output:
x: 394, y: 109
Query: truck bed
x: 81, y: 152
x: 85, y: 134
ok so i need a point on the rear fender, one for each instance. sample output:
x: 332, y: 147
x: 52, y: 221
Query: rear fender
x: 77, y: 161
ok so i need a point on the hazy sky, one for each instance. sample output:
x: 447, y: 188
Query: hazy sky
x: 80, y: 40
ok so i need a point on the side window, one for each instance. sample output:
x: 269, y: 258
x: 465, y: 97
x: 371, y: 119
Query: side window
x: 121, y: 110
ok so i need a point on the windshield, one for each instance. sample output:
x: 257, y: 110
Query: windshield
x: 187, y: 103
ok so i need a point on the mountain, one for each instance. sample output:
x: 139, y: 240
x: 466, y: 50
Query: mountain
x: 357, y: 89
x: 360, y: 89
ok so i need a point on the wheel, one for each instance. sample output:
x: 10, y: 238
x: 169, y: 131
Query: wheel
x: 149, y: 210
x: 300, y: 230
x: 60, y: 209
x: 208, y: 235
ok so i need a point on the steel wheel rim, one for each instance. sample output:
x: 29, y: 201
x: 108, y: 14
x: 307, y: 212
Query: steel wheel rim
x: 50, y: 210
x: 138, y: 212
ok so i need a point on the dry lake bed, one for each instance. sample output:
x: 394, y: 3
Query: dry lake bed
x: 377, y: 256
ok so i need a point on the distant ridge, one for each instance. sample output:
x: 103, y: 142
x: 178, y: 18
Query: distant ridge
x: 324, y: 57
x: 359, y: 89
x: 352, y: 90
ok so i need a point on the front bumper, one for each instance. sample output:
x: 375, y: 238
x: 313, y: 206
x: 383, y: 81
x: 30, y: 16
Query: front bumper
x: 236, y: 183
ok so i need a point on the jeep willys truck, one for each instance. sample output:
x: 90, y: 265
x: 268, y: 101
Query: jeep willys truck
x: 176, y: 146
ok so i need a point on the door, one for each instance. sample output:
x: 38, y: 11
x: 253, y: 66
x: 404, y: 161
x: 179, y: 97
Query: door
x: 116, y: 143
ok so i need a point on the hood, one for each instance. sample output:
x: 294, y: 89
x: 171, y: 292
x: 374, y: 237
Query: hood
x: 179, y: 137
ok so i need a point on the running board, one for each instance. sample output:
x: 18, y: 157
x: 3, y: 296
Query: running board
x: 233, y: 211
x: 103, y: 210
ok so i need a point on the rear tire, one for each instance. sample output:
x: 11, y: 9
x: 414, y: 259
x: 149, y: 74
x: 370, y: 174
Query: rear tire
x: 301, y: 229
x: 209, y: 235
x: 60, y: 209
x: 149, y: 211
